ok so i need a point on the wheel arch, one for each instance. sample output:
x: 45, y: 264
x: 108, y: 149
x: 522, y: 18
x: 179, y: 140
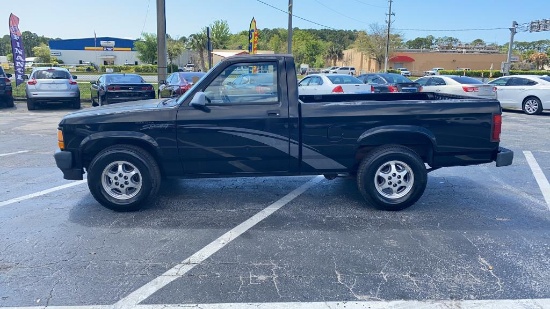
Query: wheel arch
x: 94, y: 143
x: 419, y: 139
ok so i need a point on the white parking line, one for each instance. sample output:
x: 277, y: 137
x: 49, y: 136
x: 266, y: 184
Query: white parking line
x: 12, y: 153
x: 29, y: 196
x: 186, y: 265
x: 539, y: 176
x: 396, y: 304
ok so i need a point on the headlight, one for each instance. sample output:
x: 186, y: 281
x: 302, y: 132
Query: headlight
x: 60, y: 141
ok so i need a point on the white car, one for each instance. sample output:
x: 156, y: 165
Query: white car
x: 331, y: 84
x: 530, y: 93
x: 343, y: 70
x: 327, y: 70
x: 404, y: 71
x: 434, y: 71
x: 458, y: 85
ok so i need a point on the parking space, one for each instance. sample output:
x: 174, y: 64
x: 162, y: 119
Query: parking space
x: 479, y: 235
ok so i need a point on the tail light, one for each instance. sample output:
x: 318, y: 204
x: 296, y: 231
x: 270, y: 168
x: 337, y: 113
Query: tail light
x: 470, y: 89
x: 372, y: 89
x: 147, y: 88
x: 338, y: 89
x: 497, y: 128
x: 112, y: 88
x: 8, y: 80
x: 494, y: 89
x: 419, y: 88
x: 72, y: 82
x: 184, y: 88
x: 393, y: 88
x: 31, y: 82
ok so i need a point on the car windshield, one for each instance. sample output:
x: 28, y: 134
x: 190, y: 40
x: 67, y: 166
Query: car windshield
x: 396, y: 78
x: 124, y: 79
x: 51, y: 74
x: 192, y: 78
x: 545, y: 78
x: 344, y: 79
x: 466, y: 80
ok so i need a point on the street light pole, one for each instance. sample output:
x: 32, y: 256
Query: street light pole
x: 506, y: 69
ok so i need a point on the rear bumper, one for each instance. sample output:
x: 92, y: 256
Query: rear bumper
x: 504, y: 157
x: 64, y: 161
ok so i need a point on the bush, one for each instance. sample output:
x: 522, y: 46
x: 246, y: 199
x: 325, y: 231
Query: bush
x: 145, y: 68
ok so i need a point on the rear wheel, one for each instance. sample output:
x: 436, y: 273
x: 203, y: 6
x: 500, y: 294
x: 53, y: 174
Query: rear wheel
x: 392, y: 177
x: 31, y: 105
x: 76, y: 103
x: 123, y: 177
x: 102, y: 101
x: 532, y: 106
x: 94, y: 103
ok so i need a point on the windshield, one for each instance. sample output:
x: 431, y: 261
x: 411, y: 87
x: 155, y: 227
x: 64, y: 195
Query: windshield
x: 545, y: 78
x: 124, y: 79
x: 396, y: 78
x: 51, y: 74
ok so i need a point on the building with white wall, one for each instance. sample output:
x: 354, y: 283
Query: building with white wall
x: 100, y: 51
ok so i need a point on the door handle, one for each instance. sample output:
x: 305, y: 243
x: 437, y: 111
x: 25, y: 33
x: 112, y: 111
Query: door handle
x: 273, y: 113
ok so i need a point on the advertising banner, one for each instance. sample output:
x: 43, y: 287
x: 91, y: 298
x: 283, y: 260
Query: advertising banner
x: 253, y: 37
x: 17, y: 50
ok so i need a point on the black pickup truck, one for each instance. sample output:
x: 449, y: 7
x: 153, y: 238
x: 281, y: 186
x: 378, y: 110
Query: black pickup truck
x: 389, y: 142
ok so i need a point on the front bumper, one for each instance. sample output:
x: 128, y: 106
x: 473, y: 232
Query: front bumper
x: 504, y: 157
x: 64, y: 161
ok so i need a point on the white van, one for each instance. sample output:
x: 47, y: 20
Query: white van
x: 344, y: 70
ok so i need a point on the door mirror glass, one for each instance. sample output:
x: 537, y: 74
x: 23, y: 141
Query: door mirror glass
x: 199, y: 100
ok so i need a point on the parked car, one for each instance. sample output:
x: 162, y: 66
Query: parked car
x: 343, y: 70
x: 389, y: 82
x: 332, y: 83
x: 434, y: 71
x: 530, y: 93
x: 190, y: 67
x: 6, y: 94
x: 459, y: 85
x: 404, y: 71
x: 178, y: 83
x: 119, y: 87
x: 250, y: 83
x: 51, y: 85
x: 327, y: 70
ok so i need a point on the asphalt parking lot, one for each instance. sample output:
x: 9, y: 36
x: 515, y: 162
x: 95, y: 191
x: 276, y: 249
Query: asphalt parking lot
x: 479, y: 237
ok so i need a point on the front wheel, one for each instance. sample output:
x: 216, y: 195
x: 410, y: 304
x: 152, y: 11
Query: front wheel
x: 392, y: 177
x: 123, y: 177
x: 532, y: 106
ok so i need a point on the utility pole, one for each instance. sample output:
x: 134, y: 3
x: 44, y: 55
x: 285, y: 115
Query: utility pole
x: 161, y: 41
x: 506, y: 67
x: 388, y: 39
x: 289, y: 50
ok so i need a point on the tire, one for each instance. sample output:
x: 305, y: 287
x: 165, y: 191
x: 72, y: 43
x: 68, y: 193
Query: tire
x: 101, y: 101
x: 31, y: 105
x: 10, y: 102
x: 94, y: 103
x: 139, y: 169
x: 532, y: 106
x: 76, y: 104
x: 392, y: 177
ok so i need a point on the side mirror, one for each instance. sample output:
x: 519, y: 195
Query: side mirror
x: 199, y: 100
x: 25, y: 77
x: 162, y: 82
x: 8, y: 75
x: 93, y: 82
x: 75, y: 77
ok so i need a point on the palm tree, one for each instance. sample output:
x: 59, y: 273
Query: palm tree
x: 539, y: 59
x: 197, y: 42
x: 334, y: 53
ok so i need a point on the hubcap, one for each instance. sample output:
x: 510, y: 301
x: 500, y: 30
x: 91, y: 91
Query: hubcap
x: 121, y: 180
x: 394, y: 179
x: 531, y: 106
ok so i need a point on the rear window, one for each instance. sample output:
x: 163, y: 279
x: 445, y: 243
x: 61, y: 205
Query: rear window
x: 466, y: 80
x: 396, y: 78
x: 546, y: 78
x: 51, y: 74
x: 346, y: 79
x: 124, y: 79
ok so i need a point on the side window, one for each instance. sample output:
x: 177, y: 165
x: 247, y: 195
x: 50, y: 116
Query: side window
x: 436, y: 81
x: 252, y: 83
x: 316, y: 81
x: 519, y: 81
x: 500, y: 82
x: 305, y: 81
x: 422, y: 81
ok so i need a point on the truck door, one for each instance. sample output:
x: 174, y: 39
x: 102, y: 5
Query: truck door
x: 237, y: 132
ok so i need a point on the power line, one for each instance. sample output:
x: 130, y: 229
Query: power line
x: 278, y: 9
x: 442, y: 30
x: 334, y: 11
x: 146, y: 13
x: 376, y: 6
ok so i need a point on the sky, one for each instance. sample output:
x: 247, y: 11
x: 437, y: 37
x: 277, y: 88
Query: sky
x: 466, y: 20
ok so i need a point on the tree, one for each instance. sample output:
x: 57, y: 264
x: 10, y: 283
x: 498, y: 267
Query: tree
x: 197, y: 42
x: 220, y: 34
x: 174, y: 49
x: 478, y: 42
x: 146, y: 48
x: 374, y: 44
x: 539, y: 59
x: 334, y: 53
x: 306, y: 47
x: 43, y: 53
x: 420, y: 43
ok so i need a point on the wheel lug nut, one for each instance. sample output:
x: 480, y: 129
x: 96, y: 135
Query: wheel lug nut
x: 125, y: 177
x: 116, y: 183
x: 126, y: 183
